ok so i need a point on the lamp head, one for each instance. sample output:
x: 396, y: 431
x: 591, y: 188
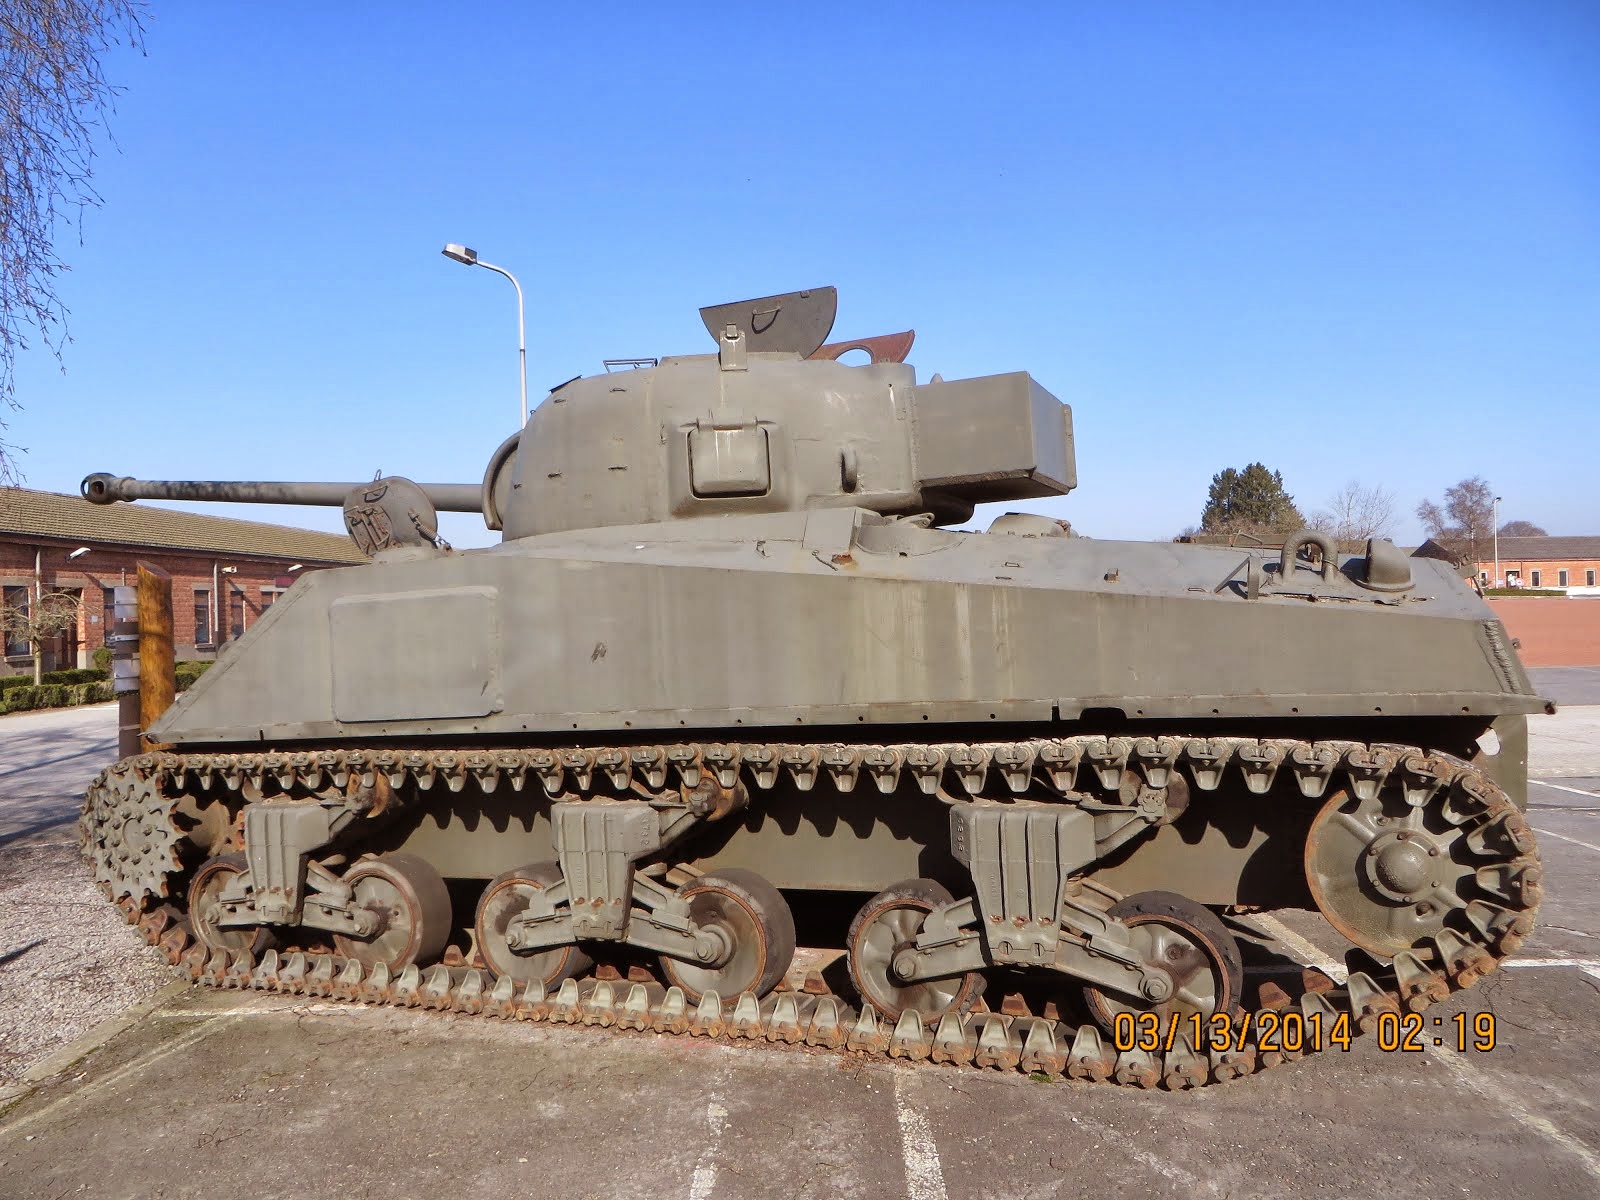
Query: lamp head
x: 79, y: 552
x: 462, y: 254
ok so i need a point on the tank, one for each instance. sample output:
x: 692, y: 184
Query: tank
x: 731, y: 667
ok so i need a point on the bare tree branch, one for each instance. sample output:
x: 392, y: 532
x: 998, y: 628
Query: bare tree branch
x: 1464, y: 522
x: 1356, y: 513
x: 54, y: 106
x: 42, y: 618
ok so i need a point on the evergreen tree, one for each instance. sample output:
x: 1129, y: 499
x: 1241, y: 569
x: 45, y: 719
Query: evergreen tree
x: 1250, y: 501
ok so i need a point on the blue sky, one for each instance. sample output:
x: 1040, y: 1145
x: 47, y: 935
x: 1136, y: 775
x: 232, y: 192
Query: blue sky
x: 1352, y: 241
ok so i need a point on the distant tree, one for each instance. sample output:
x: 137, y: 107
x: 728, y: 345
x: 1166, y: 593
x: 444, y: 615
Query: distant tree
x: 36, y: 622
x: 1522, y: 529
x: 54, y: 102
x: 1356, y: 513
x: 1249, y: 501
x: 1465, y: 518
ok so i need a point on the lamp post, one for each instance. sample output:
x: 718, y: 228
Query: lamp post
x: 469, y: 257
x: 1497, y: 541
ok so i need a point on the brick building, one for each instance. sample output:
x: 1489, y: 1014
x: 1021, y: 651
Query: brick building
x: 1568, y: 563
x: 225, y: 573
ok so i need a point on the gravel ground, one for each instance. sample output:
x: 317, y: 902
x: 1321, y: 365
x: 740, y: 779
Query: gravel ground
x: 67, y: 961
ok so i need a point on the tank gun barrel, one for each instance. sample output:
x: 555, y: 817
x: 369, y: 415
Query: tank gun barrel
x: 102, y: 488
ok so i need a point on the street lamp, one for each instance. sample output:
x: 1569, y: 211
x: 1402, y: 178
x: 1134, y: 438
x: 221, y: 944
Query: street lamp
x: 1497, y: 541
x: 469, y: 257
x: 78, y: 553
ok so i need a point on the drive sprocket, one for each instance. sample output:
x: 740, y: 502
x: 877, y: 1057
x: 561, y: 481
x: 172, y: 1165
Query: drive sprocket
x: 129, y: 833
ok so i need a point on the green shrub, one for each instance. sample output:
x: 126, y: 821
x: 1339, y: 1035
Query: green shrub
x: 1523, y: 591
x: 189, y: 671
x: 54, y: 695
x: 102, y: 660
x: 67, y: 688
x: 74, y: 675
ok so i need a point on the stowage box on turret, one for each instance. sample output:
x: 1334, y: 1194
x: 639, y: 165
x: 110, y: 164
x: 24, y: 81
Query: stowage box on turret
x: 729, y: 657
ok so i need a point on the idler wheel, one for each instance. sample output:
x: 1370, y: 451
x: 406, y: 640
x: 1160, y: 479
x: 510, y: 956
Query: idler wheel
x: 752, y: 923
x: 1191, y: 946
x: 1384, y: 873
x: 888, y: 924
x: 412, y: 907
x: 205, y: 910
x: 506, y: 898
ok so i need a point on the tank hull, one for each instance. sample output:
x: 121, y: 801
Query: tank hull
x: 832, y: 619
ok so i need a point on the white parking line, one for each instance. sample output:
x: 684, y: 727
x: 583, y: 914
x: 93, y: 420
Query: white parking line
x: 1563, y: 837
x: 924, y: 1175
x: 705, y: 1170
x: 1311, y: 955
x: 1505, y: 1099
x: 1189, y: 1183
x: 1308, y: 953
x: 1561, y: 787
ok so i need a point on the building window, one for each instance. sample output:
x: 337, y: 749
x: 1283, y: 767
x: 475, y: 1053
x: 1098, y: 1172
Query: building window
x: 269, y: 593
x: 1588, y: 577
x: 1533, y: 578
x: 1561, y: 579
x: 16, y: 599
x: 1483, y: 578
x: 61, y: 647
x: 236, y: 614
x: 202, y: 616
x: 108, y: 614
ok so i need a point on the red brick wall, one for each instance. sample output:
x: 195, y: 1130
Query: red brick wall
x: 1553, y: 631
x: 1549, y: 577
x: 110, y: 567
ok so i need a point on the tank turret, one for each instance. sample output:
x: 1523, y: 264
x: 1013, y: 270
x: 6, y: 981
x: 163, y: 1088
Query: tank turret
x: 772, y: 422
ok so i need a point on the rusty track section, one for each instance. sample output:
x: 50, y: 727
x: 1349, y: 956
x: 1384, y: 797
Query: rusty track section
x: 135, y: 870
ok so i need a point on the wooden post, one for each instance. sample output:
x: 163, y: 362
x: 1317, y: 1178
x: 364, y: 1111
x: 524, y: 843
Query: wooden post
x: 157, y: 663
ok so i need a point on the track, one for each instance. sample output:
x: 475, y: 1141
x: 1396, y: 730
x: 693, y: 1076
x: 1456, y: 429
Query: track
x: 132, y: 842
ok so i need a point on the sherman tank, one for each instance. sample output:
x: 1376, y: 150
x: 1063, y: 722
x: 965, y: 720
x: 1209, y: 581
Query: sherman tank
x: 732, y: 663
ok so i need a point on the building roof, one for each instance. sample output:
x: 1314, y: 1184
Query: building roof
x: 1543, y: 547
x: 29, y: 514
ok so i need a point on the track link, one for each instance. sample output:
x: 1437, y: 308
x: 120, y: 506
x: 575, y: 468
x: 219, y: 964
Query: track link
x: 1457, y: 957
